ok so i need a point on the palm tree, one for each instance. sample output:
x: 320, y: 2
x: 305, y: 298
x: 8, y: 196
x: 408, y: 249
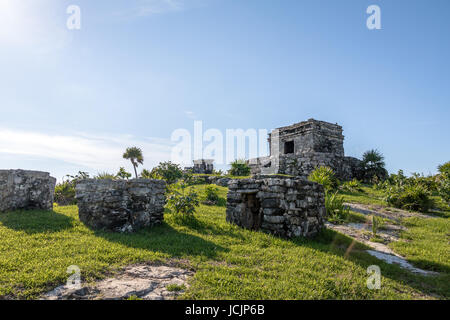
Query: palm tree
x: 134, y: 154
x: 374, y: 165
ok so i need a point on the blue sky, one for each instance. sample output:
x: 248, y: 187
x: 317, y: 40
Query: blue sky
x: 139, y: 69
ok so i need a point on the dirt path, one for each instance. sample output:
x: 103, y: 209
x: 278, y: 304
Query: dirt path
x: 144, y: 281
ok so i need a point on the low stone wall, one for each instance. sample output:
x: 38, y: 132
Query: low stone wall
x: 23, y: 189
x: 283, y: 206
x: 121, y: 205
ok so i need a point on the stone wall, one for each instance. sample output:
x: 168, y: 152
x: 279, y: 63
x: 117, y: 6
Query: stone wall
x: 23, y: 189
x: 120, y: 205
x: 282, y: 206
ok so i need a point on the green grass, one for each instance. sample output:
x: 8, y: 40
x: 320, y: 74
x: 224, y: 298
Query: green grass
x: 36, y: 247
x: 367, y: 196
x: 426, y: 243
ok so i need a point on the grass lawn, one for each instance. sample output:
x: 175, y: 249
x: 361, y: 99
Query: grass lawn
x: 36, y: 247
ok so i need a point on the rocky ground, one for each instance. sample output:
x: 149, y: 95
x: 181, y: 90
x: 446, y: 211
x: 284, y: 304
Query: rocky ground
x: 141, y: 281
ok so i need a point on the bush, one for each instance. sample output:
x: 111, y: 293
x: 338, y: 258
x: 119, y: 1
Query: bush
x: 409, y: 197
x: 212, y: 196
x: 123, y: 174
x: 183, y: 203
x: 239, y: 168
x: 352, y: 186
x: 65, y: 191
x: 168, y: 171
x: 337, y: 212
x: 104, y: 175
x: 443, y: 187
x: 325, y: 176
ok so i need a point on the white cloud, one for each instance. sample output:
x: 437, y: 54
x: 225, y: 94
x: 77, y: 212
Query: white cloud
x: 99, y: 153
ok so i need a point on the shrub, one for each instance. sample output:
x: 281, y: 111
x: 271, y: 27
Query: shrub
x: 337, y: 212
x: 443, y: 187
x: 352, y: 186
x: 65, y: 191
x: 104, y: 175
x: 212, y: 196
x: 409, y: 197
x: 239, y: 168
x: 123, y: 174
x: 444, y: 168
x: 325, y: 176
x: 183, y: 203
x: 168, y: 171
x: 377, y: 223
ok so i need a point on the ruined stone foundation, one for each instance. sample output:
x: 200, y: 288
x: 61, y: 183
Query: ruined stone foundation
x: 282, y: 206
x: 120, y: 205
x: 23, y: 189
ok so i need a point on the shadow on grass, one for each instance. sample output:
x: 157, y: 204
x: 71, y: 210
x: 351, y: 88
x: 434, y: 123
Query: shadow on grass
x: 165, y: 239
x: 36, y: 221
x: 332, y: 242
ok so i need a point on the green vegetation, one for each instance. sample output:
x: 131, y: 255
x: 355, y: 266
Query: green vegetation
x: 324, y: 176
x: 212, y: 196
x: 123, y: 174
x: 373, y: 165
x: 65, y: 190
x: 173, y: 287
x: 167, y: 171
x: 239, y: 168
x: 182, y: 202
x: 426, y: 243
x: 351, y: 186
x: 337, y: 212
x: 134, y: 154
x: 36, y: 247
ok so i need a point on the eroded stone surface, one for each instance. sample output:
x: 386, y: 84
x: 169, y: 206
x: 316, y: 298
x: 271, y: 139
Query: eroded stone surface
x: 282, y: 206
x: 23, y: 189
x: 121, y: 205
x: 147, y: 282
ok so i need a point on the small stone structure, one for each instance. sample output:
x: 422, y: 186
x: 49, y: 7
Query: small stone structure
x: 300, y: 148
x: 283, y: 206
x: 23, y: 189
x: 202, y: 166
x: 120, y: 205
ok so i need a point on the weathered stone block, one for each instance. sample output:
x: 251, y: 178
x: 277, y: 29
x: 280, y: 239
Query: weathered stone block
x: 23, y: 189
x: 294, y: 207
x: 120, y: 205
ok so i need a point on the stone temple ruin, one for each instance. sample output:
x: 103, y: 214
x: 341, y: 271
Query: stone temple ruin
x: 121, y: 205
x: 202, y: 166
x: 22, y: 189
x: 282, y: 206
x: 299, y: 148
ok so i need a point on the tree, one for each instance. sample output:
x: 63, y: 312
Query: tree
x: 373, y: 165
x: 134, y: 154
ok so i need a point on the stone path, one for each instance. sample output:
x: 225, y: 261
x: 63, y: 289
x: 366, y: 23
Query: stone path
x: 362, y: 232
x: 145, y: 281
